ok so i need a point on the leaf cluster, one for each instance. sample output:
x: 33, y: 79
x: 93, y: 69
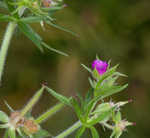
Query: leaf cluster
x: 26, y: 12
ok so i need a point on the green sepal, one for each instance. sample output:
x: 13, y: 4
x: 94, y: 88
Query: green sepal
x: 99, y: 118
x: 116, y: 117
x: 116, y: 134
x: 105, y: 75
x: 95, y: 74
x: 103, y: 107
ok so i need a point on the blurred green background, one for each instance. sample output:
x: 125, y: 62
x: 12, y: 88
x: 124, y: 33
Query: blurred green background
x: 113, y: 29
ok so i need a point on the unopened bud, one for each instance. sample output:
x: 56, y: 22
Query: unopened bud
x: 30, y: 127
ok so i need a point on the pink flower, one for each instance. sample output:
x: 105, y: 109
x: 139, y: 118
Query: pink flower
x: 100, y: 66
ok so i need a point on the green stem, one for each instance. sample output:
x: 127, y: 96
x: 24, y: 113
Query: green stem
x: 5, y: 44
x: 49, y: 113
x: 69, y: 130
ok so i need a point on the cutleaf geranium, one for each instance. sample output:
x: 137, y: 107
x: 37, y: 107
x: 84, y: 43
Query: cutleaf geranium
x: 90, y: 110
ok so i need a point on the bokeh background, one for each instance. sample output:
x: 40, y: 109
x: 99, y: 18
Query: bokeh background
x: 113, y: 29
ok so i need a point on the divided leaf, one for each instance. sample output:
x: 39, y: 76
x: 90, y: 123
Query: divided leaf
x: 31, y: 34
x: 59, y: 97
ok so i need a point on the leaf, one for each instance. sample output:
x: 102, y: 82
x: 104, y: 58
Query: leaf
x: 11, y: 7
x: 89, y: 95
x: 94, y: 132
x: 61, y: 28
x: 93, y: 102
x: 31, y: 19
x: 59, y: 97
x: 6, y: 18
x: 11, y: 133
x: 31, y: 34
x: 42, y: 134
x: 76, y: 108
x: 110, y: 90
x: 80, y: 132
x: 89, y: 108
x: 88, y: 98
x: 52, y: 9
x: 81, y: 99
x: 88, y: 69
x: 54, y: 50
x: 3, y: 117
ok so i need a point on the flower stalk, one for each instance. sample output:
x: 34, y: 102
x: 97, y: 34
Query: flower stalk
x: 69, y: 130
x: 5, y: 45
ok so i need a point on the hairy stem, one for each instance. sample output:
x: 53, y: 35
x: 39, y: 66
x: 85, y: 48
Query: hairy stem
x: 5, y: 44
x: 49, y: 113
x: 69, y: 130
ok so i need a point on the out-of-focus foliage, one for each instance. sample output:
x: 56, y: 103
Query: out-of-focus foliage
x: 117, y: 30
